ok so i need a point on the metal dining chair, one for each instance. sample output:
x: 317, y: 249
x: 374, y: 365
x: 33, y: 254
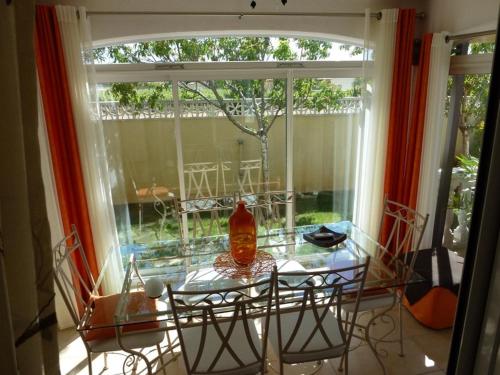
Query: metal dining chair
x: 217, y: 331
x: 80, y: 293
x: 308, y: 325
x: 404, y: 228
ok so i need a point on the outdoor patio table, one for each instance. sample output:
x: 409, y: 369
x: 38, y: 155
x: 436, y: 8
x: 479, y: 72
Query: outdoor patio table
x: 191, y: 266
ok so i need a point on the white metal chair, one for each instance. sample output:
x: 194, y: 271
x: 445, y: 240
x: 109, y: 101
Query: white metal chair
x: 157, y: 195
x: 196, y: 209
x: 216, y: 330
x: 202, y: 179
x: 201, y: 196
x: 81, y: 296
x: 308, y: 325
x: 247, y: 173
x: 267, y: 207
x: 406, y: 228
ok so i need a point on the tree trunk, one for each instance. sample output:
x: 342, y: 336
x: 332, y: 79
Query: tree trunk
x: 264, y: 151
x: 466, y: 142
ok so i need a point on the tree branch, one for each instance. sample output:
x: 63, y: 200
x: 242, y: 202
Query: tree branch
x: 208, y: 100
x: 263, y: 102
x: 255, y: 107
x: 276, y: 114
x: 228, y: 114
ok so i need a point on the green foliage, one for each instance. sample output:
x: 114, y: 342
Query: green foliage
x: 463, y: 196
x: 481, y: 48
x: 470, y: 165
x: 266, y: 98
x: 476, y: 140
x: 139, y: 95
x: 473, y: 103
x: 215, y: 49
x: 353, y: 50
x: 305, y: 219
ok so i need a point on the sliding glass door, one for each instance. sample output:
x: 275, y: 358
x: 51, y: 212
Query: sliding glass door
x: 181, y: 150
x: 233, y: 142
x: 326, y: 128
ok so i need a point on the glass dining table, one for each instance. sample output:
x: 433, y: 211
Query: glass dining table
x: 204, y: 264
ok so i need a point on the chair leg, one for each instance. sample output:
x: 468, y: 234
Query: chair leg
x: 161, y: 359
x: 346, y: 366
x: 401, y: 352
x: 340, y: 368
x: 105, y: 361
x: 140, y: 217
x: 341, y: 364
x: 170, y: 347
x: 89, y: 359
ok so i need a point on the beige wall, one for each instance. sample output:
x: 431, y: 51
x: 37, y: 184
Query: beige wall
x: 144, y: 151
x: 108, y: 28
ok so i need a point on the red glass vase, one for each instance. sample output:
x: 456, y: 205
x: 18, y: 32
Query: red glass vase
x: 242, y: 235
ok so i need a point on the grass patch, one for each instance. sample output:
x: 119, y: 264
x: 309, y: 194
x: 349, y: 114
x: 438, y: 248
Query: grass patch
x: 151, y: 232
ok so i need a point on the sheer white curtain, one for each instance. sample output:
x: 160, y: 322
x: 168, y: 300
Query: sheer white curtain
x: 64, y: 319
x: 373, y: 146
x: 434, y: 131
x: 75, y: 34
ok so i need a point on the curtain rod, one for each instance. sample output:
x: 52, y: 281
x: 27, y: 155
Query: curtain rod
x: 469, y: 35
x: 377, y: 15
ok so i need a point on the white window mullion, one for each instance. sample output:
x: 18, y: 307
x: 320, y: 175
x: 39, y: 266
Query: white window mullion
x: 180, y: 158
x: 290, y: 209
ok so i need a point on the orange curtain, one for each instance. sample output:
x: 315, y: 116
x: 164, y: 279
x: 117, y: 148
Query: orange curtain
x: 406, y: 125
x: 61, y: 131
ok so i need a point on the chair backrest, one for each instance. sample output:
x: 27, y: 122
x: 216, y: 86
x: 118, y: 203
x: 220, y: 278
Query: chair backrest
x: 202, y: 179
x: 73, y: 276
x: 220, y: 311
x: 268, y: 208
x: 200, y: 210
x: 247, y: 175
x: 401, y: 231
x: 318, y: 294
x: 226, y: 174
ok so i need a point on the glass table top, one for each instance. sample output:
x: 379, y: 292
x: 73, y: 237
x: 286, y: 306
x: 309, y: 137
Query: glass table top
x: 190, y: 266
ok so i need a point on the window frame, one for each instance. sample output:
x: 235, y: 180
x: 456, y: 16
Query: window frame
x: 175, y: 72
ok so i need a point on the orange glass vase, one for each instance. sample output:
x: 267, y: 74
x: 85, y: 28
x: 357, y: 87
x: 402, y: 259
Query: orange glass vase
x: 242, y: 235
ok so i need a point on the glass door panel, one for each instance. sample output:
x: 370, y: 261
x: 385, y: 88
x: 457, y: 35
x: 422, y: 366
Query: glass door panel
x: 138, y: 122
x: 472, y: 111
x: 326, y: 121
x: 233, y: 142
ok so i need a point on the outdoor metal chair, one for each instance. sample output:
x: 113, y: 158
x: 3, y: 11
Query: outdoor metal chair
x: 216, y: 330
x: 199, y: 210
x: 159, y: 196
x: 89, y: 309
x: 308, y: 325
x: 202, y: 179
x: 268, y: 208
x: 246, y: 173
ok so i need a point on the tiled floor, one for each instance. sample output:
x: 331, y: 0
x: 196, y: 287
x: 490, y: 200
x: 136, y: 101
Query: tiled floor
x: 426, y: 352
